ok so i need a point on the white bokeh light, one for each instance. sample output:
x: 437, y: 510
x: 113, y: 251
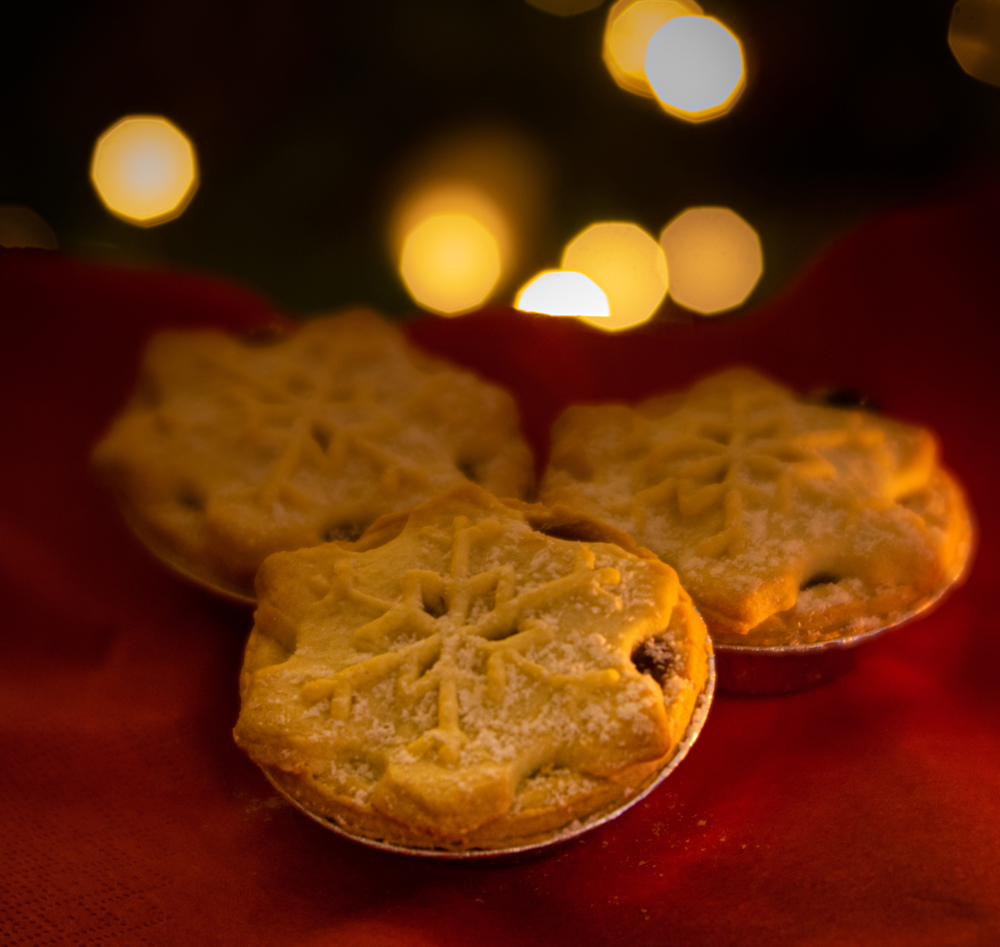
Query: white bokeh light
x: 564, y: 293
x: 695, y: 65
x: 630, y: 26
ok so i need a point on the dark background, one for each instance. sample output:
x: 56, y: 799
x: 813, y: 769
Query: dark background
x: 304, y: 113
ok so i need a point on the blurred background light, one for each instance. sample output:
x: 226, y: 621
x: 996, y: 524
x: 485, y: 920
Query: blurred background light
x: 974, y: 38
x: 628, y: 264
x: 564, y: 293
x: 360, y: 105
x: 450, y: 263
x: 492, y: 173
x: 695, y: 67
x: 714, y: 256
x: 451, y: 198
x: 144, y: 170
x: 564, y: 7
x: 22, y: 227
x: 627, y: 32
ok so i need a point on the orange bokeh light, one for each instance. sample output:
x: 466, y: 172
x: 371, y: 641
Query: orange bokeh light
x: 974, y: 38
x: 715, y: 259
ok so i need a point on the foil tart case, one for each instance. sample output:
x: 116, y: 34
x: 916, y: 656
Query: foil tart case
x: 521, y: 848
x: 772, y: 670
x: 184, y: 569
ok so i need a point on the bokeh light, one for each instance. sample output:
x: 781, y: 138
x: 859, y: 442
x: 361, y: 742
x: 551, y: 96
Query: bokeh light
x: 974, y: 38
x: 629, y: 28
x: 564, y: 7
x: 490, y: 172
x: 451, y: 197
x: 695, y: 67
x: 22, y: 227
x: 144, y: 170
x: 715, y: 259
x: 628, y: 264
x: 450, y: 263
x: 564, y: 293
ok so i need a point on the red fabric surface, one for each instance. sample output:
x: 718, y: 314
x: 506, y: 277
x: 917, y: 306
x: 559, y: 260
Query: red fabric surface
x: 864, y: 812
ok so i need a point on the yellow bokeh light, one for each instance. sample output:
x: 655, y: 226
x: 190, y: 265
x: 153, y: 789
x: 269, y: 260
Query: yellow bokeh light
x: 695, y: 67
x: 563, y: 293
x: 715, y: 259
x: 450, y: 263
x: 628, y: 264
x: 974, y: 38
x: 144, y: 170
x: 490, y: 172
x: 629, y: 28
x: 451, y: 197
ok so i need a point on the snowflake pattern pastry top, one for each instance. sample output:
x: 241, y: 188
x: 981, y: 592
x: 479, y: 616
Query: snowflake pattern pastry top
x: 461, y: 678
x: 785, y: 519
x: 232, y: 449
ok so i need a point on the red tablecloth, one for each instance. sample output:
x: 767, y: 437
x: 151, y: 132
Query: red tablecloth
x: 864, y: 812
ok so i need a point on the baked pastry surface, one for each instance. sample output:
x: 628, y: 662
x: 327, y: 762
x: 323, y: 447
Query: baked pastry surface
x: 461, y: 678
x: 788, y: 522
x: 231, y: 449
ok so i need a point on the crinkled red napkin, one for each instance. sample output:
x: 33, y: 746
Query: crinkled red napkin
x: 866, y: 812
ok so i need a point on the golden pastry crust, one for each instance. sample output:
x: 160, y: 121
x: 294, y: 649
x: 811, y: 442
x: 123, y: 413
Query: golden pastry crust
x: 788, y: 522
x: 231, y: 450
x: 461, y: 678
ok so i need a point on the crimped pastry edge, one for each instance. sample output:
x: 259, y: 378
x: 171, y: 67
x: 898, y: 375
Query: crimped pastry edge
x: 290, y: 786
x: 782, y: 631
x: 198, y: 569
x: 534, y: 827
x: 783, y: 640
